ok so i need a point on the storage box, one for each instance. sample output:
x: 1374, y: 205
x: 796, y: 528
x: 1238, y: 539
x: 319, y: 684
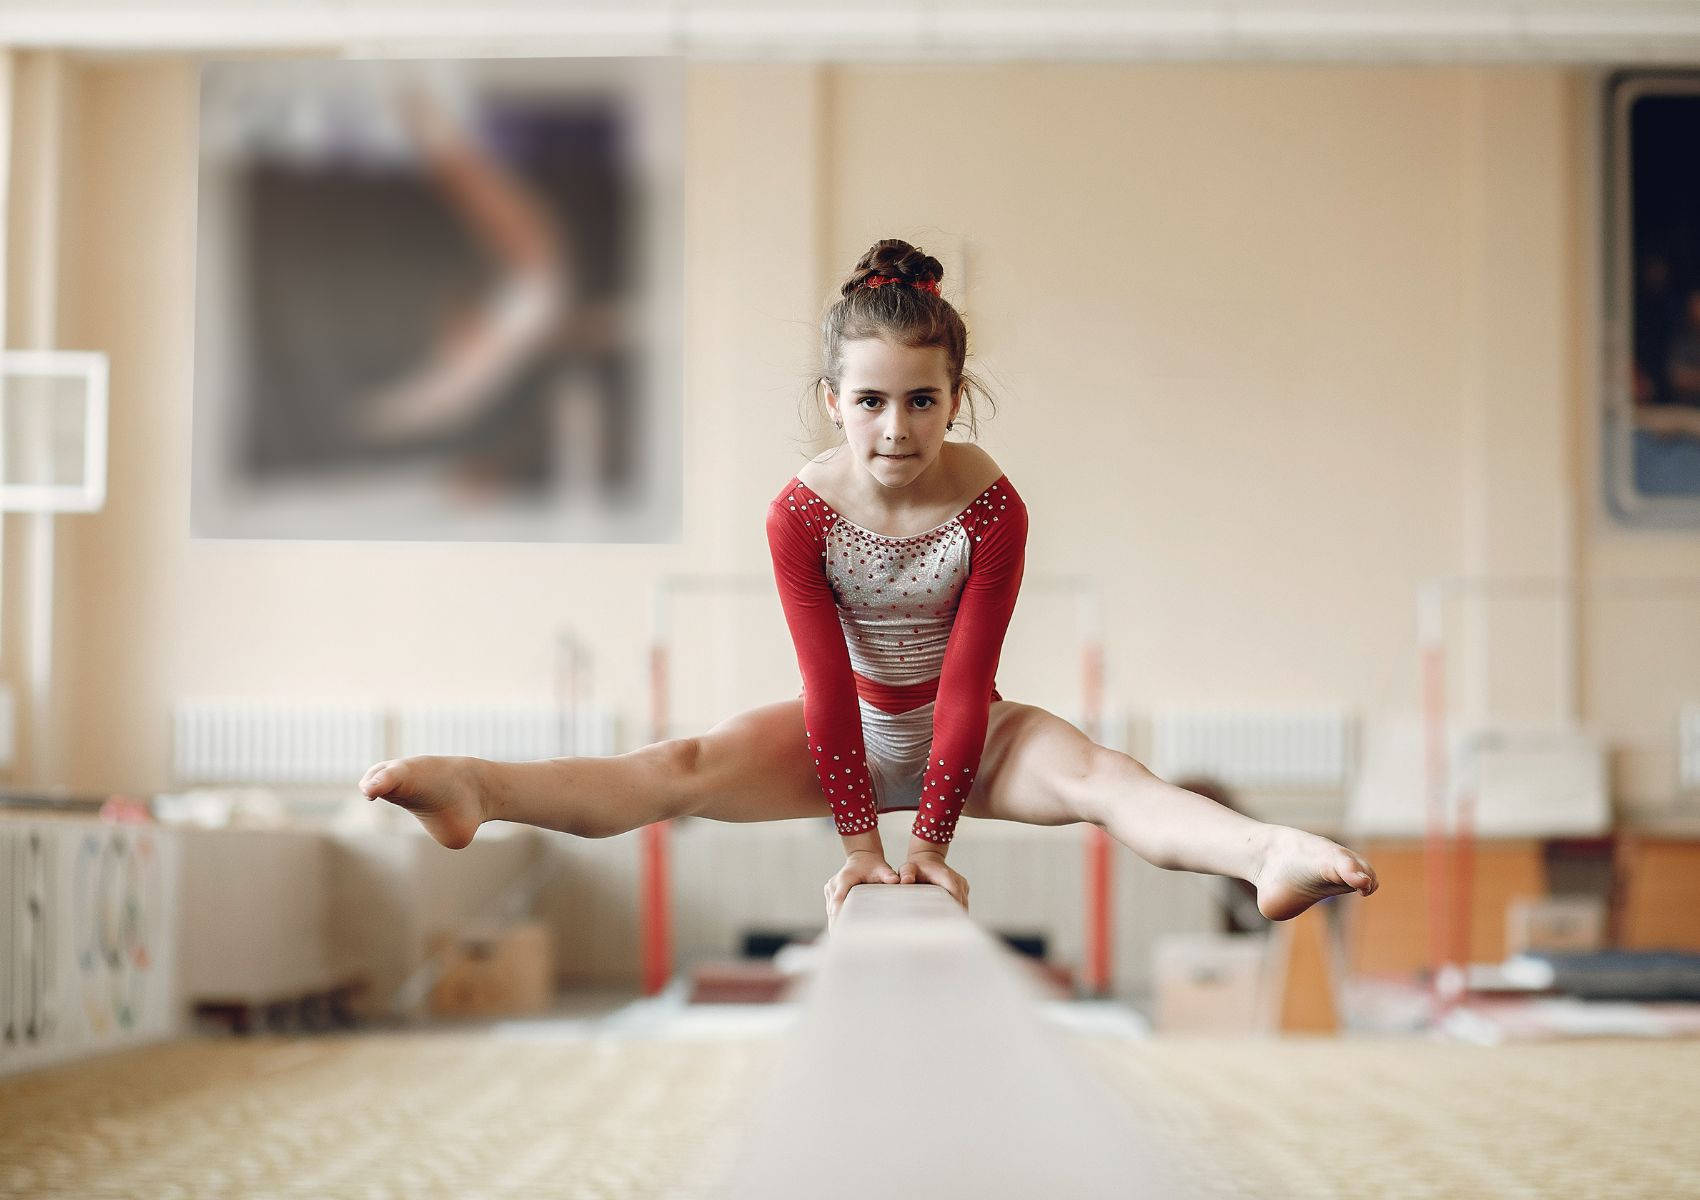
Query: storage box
x: 1563, y: 923
x: 499, y: 973
x: 1212, y: 983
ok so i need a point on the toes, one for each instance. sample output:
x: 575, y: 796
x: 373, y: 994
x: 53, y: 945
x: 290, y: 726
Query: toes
x: 1356, y: 874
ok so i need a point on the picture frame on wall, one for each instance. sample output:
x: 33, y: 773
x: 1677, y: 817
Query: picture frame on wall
x: 439, y: 300
x: 1650, y: 409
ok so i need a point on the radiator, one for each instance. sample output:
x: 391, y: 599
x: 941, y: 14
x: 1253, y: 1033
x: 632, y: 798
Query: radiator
x: 506, y: 732
x: 244, y: 741
x: 1255, y: 749
x: 261, y: 742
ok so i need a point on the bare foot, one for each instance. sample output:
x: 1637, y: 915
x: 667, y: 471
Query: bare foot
x: 446, y: 793
x: 1299, y: 868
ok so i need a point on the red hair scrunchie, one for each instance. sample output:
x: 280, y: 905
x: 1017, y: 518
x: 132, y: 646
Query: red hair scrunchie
x: 926, y: 285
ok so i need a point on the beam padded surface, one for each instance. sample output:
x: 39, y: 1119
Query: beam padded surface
x: 921, y: 1061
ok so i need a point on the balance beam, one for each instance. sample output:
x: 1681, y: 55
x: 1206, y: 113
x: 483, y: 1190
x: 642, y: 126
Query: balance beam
x: 921, y: 1061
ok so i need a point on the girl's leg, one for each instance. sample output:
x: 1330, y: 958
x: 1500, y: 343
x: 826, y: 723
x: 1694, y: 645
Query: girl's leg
x: 1039, y: 769
x: 751, y: 767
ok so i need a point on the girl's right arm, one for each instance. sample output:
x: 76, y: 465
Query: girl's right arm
x: 832, y: 717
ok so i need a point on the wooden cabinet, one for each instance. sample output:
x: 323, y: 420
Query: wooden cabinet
x: 1390, y: 930
x: 1658, y: 880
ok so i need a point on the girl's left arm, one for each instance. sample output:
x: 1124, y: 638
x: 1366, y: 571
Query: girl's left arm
x: 997, y: 525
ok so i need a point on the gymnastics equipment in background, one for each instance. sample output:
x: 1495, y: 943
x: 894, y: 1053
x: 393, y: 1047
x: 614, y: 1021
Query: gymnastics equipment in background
x: 87, y: 939
x: 655, y: 914
x: 1020, y: 1113
x: 1560, y: 763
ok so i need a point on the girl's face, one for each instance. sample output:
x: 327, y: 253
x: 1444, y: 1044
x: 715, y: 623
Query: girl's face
x: 894, y: 405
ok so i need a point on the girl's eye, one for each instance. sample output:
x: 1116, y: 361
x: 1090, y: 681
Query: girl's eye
x: 871, y: 402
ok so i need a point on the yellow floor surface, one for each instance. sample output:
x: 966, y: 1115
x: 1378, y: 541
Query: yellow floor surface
x: 464, y: 1114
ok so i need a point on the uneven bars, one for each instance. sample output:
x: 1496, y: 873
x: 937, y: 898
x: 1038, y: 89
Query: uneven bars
x: 920, y: 1062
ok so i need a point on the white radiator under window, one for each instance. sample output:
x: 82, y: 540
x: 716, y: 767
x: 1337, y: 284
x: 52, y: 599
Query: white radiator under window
x: 505, y: 732
x: 241, y: 741
x: 258, y: 742
x: 1310, y: 750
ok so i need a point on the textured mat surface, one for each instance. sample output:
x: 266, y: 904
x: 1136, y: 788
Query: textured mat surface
x: 1345, y: 1118
x: 379, y: 1117
x: 464, y: 1114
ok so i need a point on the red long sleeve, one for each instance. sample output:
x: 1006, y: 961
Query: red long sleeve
x: 831, y: 714
x: 898, y: 629
x: 997, y: 522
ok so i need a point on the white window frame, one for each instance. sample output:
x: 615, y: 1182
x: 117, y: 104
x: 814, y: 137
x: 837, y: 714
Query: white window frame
x: 91, y: 367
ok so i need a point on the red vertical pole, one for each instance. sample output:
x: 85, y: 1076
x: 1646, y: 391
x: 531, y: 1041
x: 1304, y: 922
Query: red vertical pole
x: 1099, y: 882
x: 1463, y: 878
x: 1435, y: 842
x: 1098, y: 888
x: 656, y: 915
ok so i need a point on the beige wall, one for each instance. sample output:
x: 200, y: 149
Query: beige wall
x: 1272, y: 345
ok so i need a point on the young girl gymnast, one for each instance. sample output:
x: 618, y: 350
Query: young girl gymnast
x: 898, y: 555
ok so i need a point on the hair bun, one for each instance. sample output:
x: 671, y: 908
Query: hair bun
x: 896, y: 260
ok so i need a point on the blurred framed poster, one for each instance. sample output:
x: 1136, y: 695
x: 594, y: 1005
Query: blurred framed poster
x: 1651, y: 411
x: 438, y: 300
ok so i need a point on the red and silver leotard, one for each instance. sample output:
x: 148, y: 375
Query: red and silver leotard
x: 898, y: 640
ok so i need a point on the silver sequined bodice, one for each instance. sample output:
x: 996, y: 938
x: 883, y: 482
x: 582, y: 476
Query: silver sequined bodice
x: 896, y: 597
x: 897, y: 601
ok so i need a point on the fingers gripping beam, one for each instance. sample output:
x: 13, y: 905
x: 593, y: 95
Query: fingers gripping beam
x: 921, y: 1060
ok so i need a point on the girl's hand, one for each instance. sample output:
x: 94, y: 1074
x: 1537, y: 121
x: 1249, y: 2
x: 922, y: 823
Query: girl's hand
x: 863, y: 866
x: 927, y: 866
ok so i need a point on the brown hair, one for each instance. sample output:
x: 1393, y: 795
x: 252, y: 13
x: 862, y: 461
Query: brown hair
x: 901, y: 313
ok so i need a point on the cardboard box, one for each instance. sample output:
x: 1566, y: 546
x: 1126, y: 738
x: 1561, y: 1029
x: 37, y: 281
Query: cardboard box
x: 1562, y: 923
x: 502, y: 973
x: 1212, y: 983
